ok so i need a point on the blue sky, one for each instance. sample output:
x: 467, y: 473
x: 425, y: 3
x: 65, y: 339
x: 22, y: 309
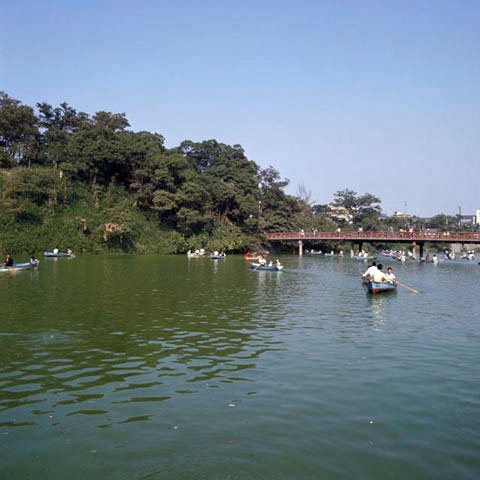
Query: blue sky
x: 377, y: 96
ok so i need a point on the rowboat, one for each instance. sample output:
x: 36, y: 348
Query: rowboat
x: 331, y: 255
x: 255, y: 255
x: 273, y: 268
x: 358, y: 257
x: 217, y: 257
x: 379, y: 287
x: 51, y: 254
x: 18, y: 266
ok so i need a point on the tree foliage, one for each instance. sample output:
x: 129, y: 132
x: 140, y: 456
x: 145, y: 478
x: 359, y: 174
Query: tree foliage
x: 91, y: 182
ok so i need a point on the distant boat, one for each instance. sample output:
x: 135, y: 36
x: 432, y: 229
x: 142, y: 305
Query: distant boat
x: 358, y: 257
x: 18, y: 266
x: 255, y: 255
x: 378, y: 287
x: 273, y: 268
x: 51, y: 254
x: 331, y: 255
x: 217, y: 257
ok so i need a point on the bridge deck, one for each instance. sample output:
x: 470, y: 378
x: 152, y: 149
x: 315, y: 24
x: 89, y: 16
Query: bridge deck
x: 393, y: 237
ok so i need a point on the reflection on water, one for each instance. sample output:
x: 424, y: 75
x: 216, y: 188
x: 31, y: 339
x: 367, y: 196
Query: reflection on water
x: 138, y: 346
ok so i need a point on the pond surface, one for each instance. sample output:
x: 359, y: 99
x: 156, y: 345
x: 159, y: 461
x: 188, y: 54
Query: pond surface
x: 167, y: 367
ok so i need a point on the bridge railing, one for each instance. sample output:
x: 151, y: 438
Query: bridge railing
x: 450, y: 237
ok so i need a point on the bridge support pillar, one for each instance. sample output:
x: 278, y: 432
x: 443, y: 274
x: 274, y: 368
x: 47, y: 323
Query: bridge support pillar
x: 414, y: 249
x: 421, y: 245
x: 360, y: 246
x: 300, y: 247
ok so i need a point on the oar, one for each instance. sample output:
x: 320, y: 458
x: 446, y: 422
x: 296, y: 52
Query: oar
x: 407, y: 287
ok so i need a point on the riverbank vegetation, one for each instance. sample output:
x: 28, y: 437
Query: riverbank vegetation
x: 69, y: 179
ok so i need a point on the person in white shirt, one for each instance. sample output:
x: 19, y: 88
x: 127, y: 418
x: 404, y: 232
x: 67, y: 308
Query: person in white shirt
x: 379, y: 276
x: 371, y: 270
x: 391, y: 278
x: 262, y: 261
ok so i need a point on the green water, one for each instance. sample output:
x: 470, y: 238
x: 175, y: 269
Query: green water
x: 168, y: 367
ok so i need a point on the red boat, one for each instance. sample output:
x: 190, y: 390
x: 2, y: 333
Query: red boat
x: 255, y: 255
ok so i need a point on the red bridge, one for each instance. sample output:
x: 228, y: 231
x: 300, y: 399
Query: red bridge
x: 383, y: 237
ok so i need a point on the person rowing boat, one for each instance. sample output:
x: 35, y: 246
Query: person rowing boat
x: 8, y: 261
x: 370, y: 271
x: 378, y: 275
x: 391, y: 278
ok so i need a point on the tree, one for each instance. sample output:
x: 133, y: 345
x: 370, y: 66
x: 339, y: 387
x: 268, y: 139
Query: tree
x: 19, y: 134
x: 363, y: 209
x: 57, y: 126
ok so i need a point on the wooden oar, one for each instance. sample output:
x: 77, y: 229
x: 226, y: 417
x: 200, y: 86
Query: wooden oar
x: 407, y: 287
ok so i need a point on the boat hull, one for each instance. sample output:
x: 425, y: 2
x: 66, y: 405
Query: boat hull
x: 51, y: 254
x: 378, y: 287
x: 18, y: 266
x: 256, y: 266
x: 217, y: 257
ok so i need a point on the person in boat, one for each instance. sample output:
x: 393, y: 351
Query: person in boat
x: 69, y: 251
x: 222, y: 253
x: 277, y: 263
x: 33, y: 260
x: 391, y: 278
x: 215, y: 253
x: 427, y: 256
x: 55, y: 251
x: 8, y: 261
x: 270, y: 264
x: 202, y: 251
x: 341, y: 253
x: 379, y: 276
x: 371, y: 270
x: 262, y: 261
x: 435, y: 258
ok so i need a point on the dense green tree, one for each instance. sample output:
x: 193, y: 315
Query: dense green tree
x: 364, y: 210
x: 19, y: 134
x: 58, y: 126
x: 91, y: 183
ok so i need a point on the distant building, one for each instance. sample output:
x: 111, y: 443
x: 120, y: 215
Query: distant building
x: 401, y: 215
x: 339, y: 213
